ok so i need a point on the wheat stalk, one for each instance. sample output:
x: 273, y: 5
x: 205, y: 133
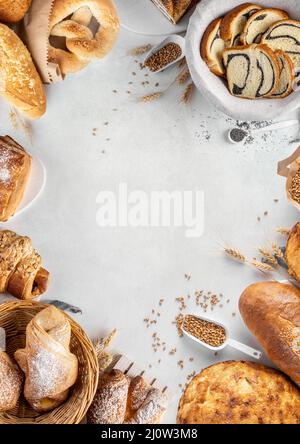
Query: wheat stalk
x: 187, y: 94
x: 235, y: 254
x: 140, y: 50
x: 283, y: 231
x: 100, y: 344
x: 277, y: 251
x: 268, y: 257
x: 183, y: 77
x: 265, y: 268
x: 182, y: 63
x: 13, y: 118
x: 150, y: 97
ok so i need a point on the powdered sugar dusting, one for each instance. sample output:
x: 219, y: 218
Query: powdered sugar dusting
x: 10, y: 383
x: 5, y: 160
x: 151, y: 409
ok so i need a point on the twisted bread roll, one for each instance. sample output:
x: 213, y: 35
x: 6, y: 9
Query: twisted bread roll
x: 81, y: 44
x: 12, y: 11
x: 20, y: 267
x: 11, y: 380
x: 49, y: 367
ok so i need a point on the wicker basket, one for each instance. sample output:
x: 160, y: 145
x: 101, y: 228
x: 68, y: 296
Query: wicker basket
x: 14, y: 317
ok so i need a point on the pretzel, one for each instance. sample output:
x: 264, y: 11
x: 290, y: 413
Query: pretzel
x: 71, y: 19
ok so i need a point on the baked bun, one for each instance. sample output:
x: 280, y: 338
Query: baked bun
x: 15, y: 167
x: 271, y: 311
x: 234, y: 22
x: 212, y: 47
x: 20, y: 82
x: 240, y: 393
x: 12, y: 11
x: 11, y: 380
x: 173, y: 9
x: 259, y: 23
x: 72, y: 20
x: 292, y: 254
x: 252, y: 71
x: 285, y: 35
x: 286, y: 76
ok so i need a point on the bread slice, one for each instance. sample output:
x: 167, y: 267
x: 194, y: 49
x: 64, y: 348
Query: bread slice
x: 252, y: 71
x: 212, y: 48
x: 234, y: 22
x: 285, y: 35
x: 259, y: 23
x: 286, y: 76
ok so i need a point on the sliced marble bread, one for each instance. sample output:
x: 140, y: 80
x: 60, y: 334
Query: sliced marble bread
x: 234, y: 23
x: 286, y: 76
x: 285, y: 35
x: 252, y: 71
x: 259, y: 23
x: 212, y: 48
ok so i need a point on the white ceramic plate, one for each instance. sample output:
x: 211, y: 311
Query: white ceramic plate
x: 35, y: 185
x: 214, y: 88
x: 143, y: 17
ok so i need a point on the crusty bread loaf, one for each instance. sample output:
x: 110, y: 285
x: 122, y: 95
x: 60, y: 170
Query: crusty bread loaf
x: 173, y: 9
x: 286, y: 76
x: 240, y: 393
x: 259, y: 23
x: 212, y: 48
x: 271, y: 311
x: 11, y: 380
x: 12, y: 11
x: 20, y: 82
x: 292, y: 254
x: 252, y: 71
x: 285, y: 35
x: 234, y: 22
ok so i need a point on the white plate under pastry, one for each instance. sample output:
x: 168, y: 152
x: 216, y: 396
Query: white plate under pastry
x: 215, y: 89
x: 143, y: 17
x: 35, y: 186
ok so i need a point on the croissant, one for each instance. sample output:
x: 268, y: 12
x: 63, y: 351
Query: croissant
x: 11, y: 380
x: 49, y: 366
x: 20, y: 267
x: 72, y: 20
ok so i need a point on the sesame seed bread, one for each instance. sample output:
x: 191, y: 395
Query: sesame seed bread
x: 239, y: 393
x: 12, y: 11
x: 212, y: 48
x: 271, y: 311
x: 286, y: 76
x: 173, y: 9
x: 259, y: 23
x: 252, y: 71
x: 285, y: 35
x: 234, y: 22
x: 20, y: 83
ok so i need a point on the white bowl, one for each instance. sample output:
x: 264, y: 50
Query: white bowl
x: 214, y: 88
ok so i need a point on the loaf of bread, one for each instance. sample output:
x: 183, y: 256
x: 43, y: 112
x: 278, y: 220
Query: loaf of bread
x: 11, y: 380
x: 173, y: 9
x: 252, y: 71
x: 212, y: 48
x: 259, y: 23
x: 292, y: 253
x: 285, y: 35
x: 12, y: 11
x: 20, y: 82
x: 271, y: 311
x: 234, y: 22
x: 240, y: 393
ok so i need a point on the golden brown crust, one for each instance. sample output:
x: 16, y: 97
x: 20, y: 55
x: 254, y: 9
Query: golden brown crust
x: 49, y: 366
x: 20, y: 82
x: 271, y: 311
x: 70, y: 19
x: 11, y: 380
x: 206, y: 45
x: 20, y: 267
x: 292, y: 254
x: 227, y: 27
x: 239, y: 393
x: 281, y: 13
x: 15, y: 167
x: 12, y: 11
x: 174, y: 9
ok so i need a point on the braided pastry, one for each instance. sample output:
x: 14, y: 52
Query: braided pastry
x: 73, y: 20
x: 20, y: 267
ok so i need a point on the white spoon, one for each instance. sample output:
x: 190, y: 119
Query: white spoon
x: 228, y: 341
x: 238, y: 135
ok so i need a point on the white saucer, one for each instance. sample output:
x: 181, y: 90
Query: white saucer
x: 35, y: 185
x: 143, y: 17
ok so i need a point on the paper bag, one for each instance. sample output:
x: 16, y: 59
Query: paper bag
x: 289, y: 168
